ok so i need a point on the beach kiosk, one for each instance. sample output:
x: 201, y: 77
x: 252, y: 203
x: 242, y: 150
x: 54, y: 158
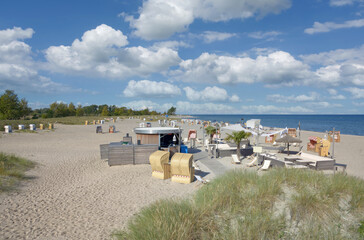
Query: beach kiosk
x: 167, y: 138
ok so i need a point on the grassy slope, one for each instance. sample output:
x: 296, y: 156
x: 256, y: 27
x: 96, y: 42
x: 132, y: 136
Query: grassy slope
x: 12, y: 170
x: 281, y: 204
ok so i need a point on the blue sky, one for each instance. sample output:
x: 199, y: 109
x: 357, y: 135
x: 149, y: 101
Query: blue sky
x: 201, y: 56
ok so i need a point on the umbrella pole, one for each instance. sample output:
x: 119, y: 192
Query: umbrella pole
x: 288, y: 148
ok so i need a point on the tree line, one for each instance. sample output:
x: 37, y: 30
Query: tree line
x: 11, y: 108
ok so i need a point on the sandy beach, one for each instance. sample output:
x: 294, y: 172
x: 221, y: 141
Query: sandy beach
x: 72, y: 194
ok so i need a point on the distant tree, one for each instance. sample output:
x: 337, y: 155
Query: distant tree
x: 105, y: 111
x: 79, y: 111
x: 25, y: 110
x: 236, y: 137
x: 71, y: 109
x: 171, y: 111
x: 11, y: 107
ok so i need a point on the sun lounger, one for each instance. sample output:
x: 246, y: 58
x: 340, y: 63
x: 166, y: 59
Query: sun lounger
x: 253, y: 162
x: 266, y: 165
x: 200, y: 179
x: 235, y: 158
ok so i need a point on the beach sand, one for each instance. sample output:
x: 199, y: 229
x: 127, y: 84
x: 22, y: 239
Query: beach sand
x: 72, y: 194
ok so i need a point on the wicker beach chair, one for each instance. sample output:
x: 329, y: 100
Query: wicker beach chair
x: 159, y: 163
x: 181, y: 168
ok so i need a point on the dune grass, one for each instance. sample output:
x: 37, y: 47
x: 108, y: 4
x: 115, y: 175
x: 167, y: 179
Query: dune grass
x: 12, y: 170
x: 280, y: 204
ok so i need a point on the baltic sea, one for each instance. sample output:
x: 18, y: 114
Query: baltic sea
x: 346, y: 124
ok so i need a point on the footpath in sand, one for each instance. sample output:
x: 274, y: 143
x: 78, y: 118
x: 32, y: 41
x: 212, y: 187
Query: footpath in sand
x: 74, y: 194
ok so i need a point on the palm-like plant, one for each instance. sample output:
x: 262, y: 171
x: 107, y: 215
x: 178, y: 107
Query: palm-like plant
x: 236, y: 137
x: 210, y: 130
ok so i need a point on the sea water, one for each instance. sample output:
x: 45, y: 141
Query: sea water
x: 346, y: 124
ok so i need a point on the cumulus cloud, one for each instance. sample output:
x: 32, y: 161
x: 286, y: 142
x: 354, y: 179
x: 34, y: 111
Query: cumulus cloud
x: 358, y: 104
x: 152, y: 106
x: 338, y: 56
x: 18, y: 71
x: 211, y: 36
x: 299, y: 98
x: 14, y: 34
x: 355, y: 92
x: 147, y: 88
x: 170, y: 44
x: 339, y: 3
x: 339, y: 67
x: 277, y: 68
x: 271, y: 109
x: 210, y: 94
x: 204, y: 108
x: 335, y: 95
x: 264, y: 35
x: 159, y: 19
x: 102, y: 52
x: 329, y: 26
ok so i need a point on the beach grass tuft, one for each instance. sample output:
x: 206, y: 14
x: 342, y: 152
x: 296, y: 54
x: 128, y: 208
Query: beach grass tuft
x: 12, y: 170
x: 280, y: 204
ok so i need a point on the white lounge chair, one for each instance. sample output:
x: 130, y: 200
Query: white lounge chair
x: 200, y: 179
x: 266, y: 165
x: 253, y: 162
x: 235, y: 158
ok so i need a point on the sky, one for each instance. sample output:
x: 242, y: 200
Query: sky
x: 200, y: 56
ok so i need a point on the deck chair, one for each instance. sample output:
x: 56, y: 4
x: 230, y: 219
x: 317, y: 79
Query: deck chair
x: 266, y: 165
x: 253, y: 162
x: 235, y: 159
x: 200, y: 179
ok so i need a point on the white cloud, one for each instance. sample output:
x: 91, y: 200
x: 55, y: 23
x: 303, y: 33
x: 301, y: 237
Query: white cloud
x: 101, y: 52
x: 210, y: 94
x: 234, y: 98
x: 339, y: 3
x: 170, y: 44
x: 271, y: 109
x: 358, y: 104
x: 277, y: 68
x: 329, y: 26
x: 152, y: 106
x: 355, y: 92
x: 159, y: 19
x: 204, y: 108
x: 339, y: 67
x: 334, y: 94
x: 299, y: 98
x: 14, y: 34
x: 338, y: 56
x: 264, y: 35
x: 18, y: 71
x: 211, y: 36
x: 147, y: 88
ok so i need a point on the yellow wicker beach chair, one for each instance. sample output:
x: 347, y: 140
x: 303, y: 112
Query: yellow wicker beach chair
x: 181, y: 168
x: 159, y: 162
